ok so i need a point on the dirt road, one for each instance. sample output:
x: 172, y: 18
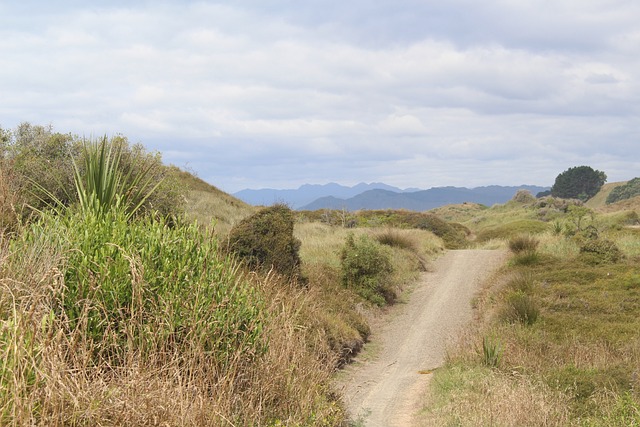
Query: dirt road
x: 386, y: 390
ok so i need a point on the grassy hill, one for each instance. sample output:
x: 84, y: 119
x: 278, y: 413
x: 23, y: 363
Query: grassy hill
x: 206, y: 203
x: 599, y: 200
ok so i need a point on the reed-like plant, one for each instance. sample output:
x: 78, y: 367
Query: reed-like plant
x: 491, y: 351
x: 101, y: 185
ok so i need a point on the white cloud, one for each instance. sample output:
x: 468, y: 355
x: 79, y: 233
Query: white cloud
x: 277, y: 91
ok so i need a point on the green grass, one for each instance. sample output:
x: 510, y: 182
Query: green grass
x: 570, y: 346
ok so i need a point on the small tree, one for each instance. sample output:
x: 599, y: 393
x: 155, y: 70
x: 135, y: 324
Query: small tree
x: 581, y: 182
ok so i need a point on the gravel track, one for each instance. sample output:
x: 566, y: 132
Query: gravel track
x: 387, y: 390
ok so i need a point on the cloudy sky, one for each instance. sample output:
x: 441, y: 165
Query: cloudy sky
x: 277, y: 93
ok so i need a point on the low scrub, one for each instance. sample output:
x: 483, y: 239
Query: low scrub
x: 597, y: 251
x: 366, y: 268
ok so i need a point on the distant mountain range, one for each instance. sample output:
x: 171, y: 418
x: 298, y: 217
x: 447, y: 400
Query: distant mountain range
x: 381, y: 196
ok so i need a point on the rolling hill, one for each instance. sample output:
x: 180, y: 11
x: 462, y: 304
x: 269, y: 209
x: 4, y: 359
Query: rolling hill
x: 421, y: 200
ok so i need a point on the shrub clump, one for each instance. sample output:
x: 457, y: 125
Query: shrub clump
x: 395, y: 239
x: 523, y: 243
x: 265, y: 241
x: 367, y: 267
x: 524, y: 197
x: 599, y: 251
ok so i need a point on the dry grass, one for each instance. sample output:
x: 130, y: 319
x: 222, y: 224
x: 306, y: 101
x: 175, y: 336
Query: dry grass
x: 50, y: 376
x: 576, y: 365
x: 489, y: 397
x: 205, y: 206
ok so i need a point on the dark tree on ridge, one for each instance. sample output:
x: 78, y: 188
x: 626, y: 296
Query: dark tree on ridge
x: 580, y: 182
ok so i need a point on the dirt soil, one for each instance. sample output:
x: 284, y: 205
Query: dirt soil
x: 386, y: 388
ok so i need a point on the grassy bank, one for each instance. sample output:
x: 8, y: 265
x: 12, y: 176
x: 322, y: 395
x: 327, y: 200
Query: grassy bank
x: 555, y: 341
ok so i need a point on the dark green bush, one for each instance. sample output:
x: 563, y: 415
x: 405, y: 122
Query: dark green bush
x: 366, y: 267
x: 599, y: 251
x: 265, y: 241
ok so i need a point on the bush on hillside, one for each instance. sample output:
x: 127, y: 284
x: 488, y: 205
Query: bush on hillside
x: 42, y: 161
x: 265, y: 241
x: 625, y: 191
x: 581, y: 182
x: 599, y: 251
x: 366, y: 267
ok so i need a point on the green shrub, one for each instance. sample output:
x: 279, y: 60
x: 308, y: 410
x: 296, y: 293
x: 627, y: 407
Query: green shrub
x: 366, y: 267
x: 142, y: 284
x: 523, y: 243
x: 521, y: 307
x: 598, y: 251
x: 265, y: 241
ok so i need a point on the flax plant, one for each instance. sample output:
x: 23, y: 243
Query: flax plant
x: 101, y: 184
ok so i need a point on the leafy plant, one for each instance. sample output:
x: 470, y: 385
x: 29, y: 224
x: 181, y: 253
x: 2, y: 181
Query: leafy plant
x: 101, y: 184
x: 366, y: 267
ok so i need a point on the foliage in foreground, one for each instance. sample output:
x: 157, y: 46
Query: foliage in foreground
x: 109, y: 318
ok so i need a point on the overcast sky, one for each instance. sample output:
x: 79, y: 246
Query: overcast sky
x: 278, y: 93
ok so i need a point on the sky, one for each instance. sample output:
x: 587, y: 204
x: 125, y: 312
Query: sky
x: 279, y: 93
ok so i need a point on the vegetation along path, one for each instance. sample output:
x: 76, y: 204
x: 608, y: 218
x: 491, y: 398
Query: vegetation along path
x: 387, y: 389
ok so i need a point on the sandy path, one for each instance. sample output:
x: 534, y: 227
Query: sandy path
x: 386, y: 391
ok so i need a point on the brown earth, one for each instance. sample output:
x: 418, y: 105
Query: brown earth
x: 386, y: 388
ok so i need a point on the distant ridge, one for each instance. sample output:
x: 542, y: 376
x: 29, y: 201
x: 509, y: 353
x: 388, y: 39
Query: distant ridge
x: 307, y: 193
x: 422, y: 200
x: 378, y: 195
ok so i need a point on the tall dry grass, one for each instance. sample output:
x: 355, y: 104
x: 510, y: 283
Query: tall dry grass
x: 50, y: 375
